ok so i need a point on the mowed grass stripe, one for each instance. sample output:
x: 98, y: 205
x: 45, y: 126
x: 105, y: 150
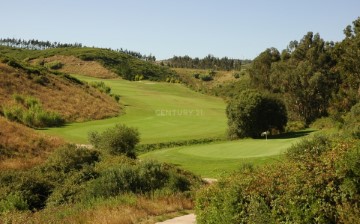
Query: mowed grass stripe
x: 147, y: 107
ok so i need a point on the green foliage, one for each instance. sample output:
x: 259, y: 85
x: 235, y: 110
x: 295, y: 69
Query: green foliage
x: 208, y: 62
x: 206, y: 77
x: 352, y: 121
x: 236, y: 75
x: 29, y: 111
x: 140, y: 177
x: 101, y: 87
x: 318, y: 183
x: 119, y: 62
x: 72, y: 187
x: 55, y: 65
x: 196, y: 75
x: 23, y: 190
x: 12, y: 202
x: 253, y: 114
x: 309, y: 149
x: 70, y: 157
x: 295, y: 126
x: 117, y: 140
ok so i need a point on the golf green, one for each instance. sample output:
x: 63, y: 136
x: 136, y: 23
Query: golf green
x: 215, y: 159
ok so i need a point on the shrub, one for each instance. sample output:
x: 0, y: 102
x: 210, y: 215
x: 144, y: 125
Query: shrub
x: 116, y: 140
x: 352, y: 122
x: 55, y: 65
x: 101, y: 87
x: 13, y: 202
x: 253, y: 113
x: 295, y: 126
x: 13, y: 113
x: 206, y: 77
x: 72, y: 188
x: 141, y: 177
x: 318, y: 182
x: 196, y: 75
x: 70, y: 157
x: 309, y: 148
x: 236, y: 75
x: 30, y: 112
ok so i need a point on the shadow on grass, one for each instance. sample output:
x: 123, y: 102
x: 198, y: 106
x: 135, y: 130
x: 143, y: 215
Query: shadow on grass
x: 290, y: 135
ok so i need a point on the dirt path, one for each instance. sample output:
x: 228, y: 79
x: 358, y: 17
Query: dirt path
x: 186, y: 219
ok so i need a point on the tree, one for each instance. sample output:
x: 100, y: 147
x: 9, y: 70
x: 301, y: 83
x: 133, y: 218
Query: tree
x: 116, y: 140
x: 261, y: 69
x: 254, y: 113
x: 304, y: 77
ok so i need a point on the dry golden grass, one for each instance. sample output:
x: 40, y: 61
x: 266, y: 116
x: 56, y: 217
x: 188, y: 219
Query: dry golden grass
x: 74, y: 65
x: 220, y: 77
x: 21, y: 147
x: 143, y: 210
x: 73, y: 101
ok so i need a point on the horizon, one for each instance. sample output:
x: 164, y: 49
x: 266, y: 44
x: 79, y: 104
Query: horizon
x: 233, y: 29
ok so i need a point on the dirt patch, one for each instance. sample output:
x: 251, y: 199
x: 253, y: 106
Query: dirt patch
x: 74, y: 65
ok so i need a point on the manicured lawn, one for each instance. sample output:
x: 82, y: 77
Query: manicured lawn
x: 213, y: 160
x: 161, y: 111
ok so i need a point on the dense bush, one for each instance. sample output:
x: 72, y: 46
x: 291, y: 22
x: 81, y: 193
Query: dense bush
x: 23, y: 190
x: 70, y: 157
x: 317, y: 183
x: 206, y: 77
x: 352, y: 121
x: 253, y: 113
x: 139, y: 177
x: 116, y: 140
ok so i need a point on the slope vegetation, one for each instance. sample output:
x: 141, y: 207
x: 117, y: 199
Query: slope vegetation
x: 121, y: 64
x: 22, y: 147
x: 73, y: 65
x: 74, y: 100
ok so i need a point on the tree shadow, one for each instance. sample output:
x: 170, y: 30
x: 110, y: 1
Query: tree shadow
x: 289, y: 135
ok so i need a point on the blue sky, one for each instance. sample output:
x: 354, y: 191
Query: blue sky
x: 164, y: 28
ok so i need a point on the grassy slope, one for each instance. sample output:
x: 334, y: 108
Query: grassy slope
x: 21, y: 147
x: 214, y: 159
x: 144, y: 101
x: 73, y: 101
x: 121, y: 64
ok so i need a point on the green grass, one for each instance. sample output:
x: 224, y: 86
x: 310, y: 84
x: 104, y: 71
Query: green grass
x: 147, y: 107
x: 216, y: 159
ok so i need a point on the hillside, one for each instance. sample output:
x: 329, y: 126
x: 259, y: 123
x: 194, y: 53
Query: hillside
x: 21, y: 147
x: 59, y: 93
x: 121, y: 64
x: 74, y: 65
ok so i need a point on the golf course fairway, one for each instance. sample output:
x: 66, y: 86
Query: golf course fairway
x: 161, y: 112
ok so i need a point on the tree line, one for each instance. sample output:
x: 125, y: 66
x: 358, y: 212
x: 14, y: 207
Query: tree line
x: 314, y: 77
x: 208, y: 62
x: 34, y: 44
